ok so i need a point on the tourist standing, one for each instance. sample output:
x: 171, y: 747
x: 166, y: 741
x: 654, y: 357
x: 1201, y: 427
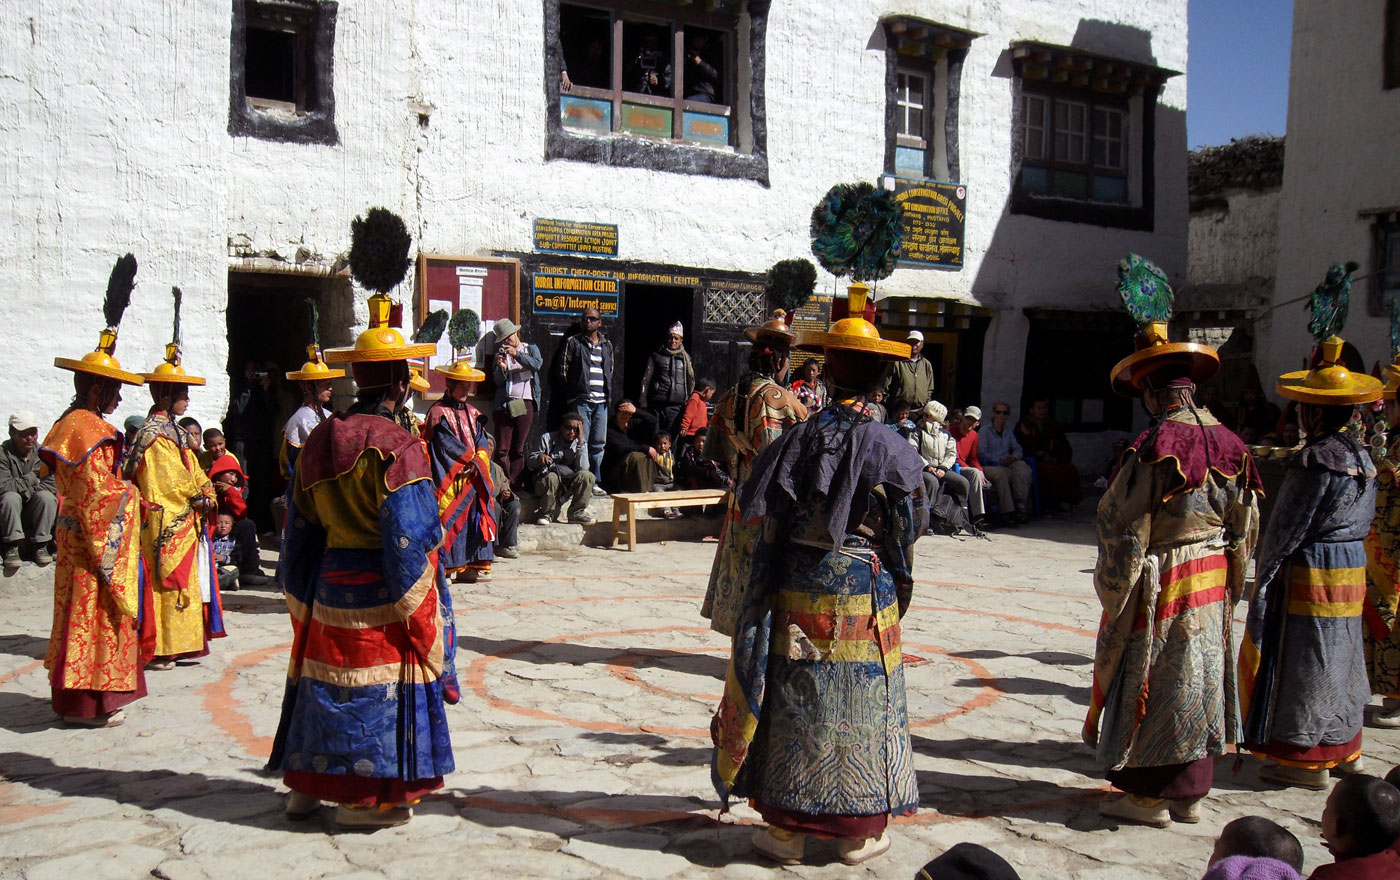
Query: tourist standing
x: 818, y: 739
x: 747, y: 418
x: 668, y: 379
x: 516, y: 371
x: 588, y: 367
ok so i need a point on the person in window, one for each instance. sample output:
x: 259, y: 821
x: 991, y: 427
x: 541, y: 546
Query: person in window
x: 649, y: 73
x: 701, y: 77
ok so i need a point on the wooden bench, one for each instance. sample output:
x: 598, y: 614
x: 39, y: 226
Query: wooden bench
x: 631, y: 503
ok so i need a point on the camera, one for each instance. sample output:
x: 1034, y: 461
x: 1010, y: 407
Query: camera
x: 260, y: 375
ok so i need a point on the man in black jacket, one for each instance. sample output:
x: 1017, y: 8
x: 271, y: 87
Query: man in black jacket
x: 631, y: 455
x: 588, y: 367
x: 668, y: 380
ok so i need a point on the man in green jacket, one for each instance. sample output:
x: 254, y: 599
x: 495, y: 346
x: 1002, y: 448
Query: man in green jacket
x: 911, y: 381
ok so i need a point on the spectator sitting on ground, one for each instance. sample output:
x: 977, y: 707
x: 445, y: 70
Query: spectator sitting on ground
x: 964, y: 431
x: 695, y: 471
x: 968, y: 861
x: 225, y: 552
x: 229, y: 485
x: 628, y: 466
x: 28, y: 503
x: 1360, y: 825
x: 559, y: 466
x: 1252, y: 838
x: 876, y: 406
x: 1290, y: 436
x: 1250, y: 868
x: 809, y: 387
x: 695, y: 418
x: 130, y: 427
x: 195, y: 433
x: 900, y: 421
x: 940, y: 452
x: 215, y: 448
x: 1250, y: 435
x: 1005, y: 466
x: 1044, y: 442
x: 505, y: 507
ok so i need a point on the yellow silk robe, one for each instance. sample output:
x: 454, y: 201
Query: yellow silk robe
x: 96, y: 592
x: 170, y: 480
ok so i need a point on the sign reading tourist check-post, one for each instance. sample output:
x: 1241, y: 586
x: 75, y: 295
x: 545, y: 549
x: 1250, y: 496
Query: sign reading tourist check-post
x: 935, y: 213
x: 574, y: 237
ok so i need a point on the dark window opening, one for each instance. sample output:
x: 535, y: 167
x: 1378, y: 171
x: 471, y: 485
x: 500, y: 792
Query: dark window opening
x: 281, y: 66
x: 588, y: 51
x: 1385, y: 263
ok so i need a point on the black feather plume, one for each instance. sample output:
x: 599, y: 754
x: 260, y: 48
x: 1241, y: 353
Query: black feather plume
x: 119, y: 286
x: 790, y: 284
x: 379, y: 245
x: 315, y: 321
x: 464, y: 329
x: 431, y: 328
x: 175, y: 333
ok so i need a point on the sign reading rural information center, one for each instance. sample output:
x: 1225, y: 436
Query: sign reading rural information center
x: 934, y: 216
x: 571, y: 294
x: 573, y: 237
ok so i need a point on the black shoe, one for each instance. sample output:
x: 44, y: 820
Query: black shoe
x: 252, y: 579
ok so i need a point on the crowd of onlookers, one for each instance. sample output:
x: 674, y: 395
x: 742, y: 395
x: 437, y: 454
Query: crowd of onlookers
x: 1360, y: 828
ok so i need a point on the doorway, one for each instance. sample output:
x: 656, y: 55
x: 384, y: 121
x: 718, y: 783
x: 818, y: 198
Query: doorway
x: 648, y: 311
x: 269, y: 328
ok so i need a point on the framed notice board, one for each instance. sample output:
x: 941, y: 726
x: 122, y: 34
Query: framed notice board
x: 489, y: 286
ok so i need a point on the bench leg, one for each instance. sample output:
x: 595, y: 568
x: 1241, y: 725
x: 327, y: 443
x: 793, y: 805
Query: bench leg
x: 617, y: 514
x: 631, y: 527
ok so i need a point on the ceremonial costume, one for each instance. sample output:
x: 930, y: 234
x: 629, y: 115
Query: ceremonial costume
x: 1175, y: 531
x: 310, y: 414
x: 457, y: 450
x: 1303, y: 684
x: 813, y: 724
x: 1381, y: 633
x: 93, y: 656
x: 179, y: 503
x: 363, y: 721
x: 747, y: 418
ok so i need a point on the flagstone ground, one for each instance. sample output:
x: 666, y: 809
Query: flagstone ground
x: 582, y: 742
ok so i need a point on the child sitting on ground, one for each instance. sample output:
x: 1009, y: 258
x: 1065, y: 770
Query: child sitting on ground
x: 215, y: 448
x: 1254, y: 846
x: 229, y: 484
x: 1360, y: 825
x: 226, y: 552
x: 695, y: 471
x: 900, y: 421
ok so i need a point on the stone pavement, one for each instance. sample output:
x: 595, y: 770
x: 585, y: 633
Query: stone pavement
x: 581, y: 738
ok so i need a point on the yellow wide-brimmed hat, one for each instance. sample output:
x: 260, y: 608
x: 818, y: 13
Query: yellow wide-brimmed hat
x: 1391, y: 377
x: 853, y: 333
x: 315, y: 369
x: 416, y: 380
x: 380, y: 342
x: 169, y: 370
x: 461, y: 371
x: 1330, y: 383
x: 101, y: 361
x: 775, y: 329
x: 1157, y: 352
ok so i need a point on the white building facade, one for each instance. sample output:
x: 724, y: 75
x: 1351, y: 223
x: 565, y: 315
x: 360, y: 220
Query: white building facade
x: 1341, y: 184
x: 229, y: 144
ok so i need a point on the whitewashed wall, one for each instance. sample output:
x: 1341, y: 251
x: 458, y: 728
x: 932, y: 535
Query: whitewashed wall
x: 113, y: 137
x: 1342, y: 131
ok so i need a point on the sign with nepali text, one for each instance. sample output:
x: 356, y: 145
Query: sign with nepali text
x: 557, y: 294
x: 935, y: 213
x: 575, y: 237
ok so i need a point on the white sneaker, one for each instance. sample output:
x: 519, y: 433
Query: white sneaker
x: 544, y: 521
x: 599, y: 490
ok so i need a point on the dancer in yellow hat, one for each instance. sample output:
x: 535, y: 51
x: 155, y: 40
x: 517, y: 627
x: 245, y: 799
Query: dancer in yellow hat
x: 1175, y: 532
x: 314, y: 379
x: 1381, y: 633
x: 819, y: 739
x: 93, y: 657
x: 363, y: 722
x: 180, y: 505
x: 1303, y: 687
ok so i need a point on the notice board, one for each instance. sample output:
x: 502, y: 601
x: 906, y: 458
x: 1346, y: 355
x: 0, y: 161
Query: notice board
x: 489, y: 286
x: 935, y: 214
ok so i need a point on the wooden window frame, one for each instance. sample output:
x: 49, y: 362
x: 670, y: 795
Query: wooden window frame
x: 1051, y: 160
x: 902, y: 105
x: 623, y: 12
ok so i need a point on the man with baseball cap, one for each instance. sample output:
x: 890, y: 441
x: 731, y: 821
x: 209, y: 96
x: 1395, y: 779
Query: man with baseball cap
x: 911, y: 380
x: 28, y: 504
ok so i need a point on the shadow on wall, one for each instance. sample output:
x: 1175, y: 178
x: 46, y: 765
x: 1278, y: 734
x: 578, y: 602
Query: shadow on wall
x: 1049, y: 267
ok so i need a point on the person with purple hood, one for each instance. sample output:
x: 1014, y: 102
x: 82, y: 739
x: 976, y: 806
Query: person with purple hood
x: 813, y: 726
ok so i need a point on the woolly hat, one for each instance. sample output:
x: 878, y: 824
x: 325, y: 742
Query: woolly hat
x: 936, y: 411
x: 1251, y: 868
x: 677, y: 330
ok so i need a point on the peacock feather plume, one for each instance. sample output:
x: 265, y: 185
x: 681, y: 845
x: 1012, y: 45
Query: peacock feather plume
x: 379, y: 245
x: 175, y: 331
x: 856, y: 229
x: 315, y: 315
x: 1329, y: 302
x: 119, y: 286
x: 1144, y: 289
x: 431, y: 328
x: 464, y: 329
